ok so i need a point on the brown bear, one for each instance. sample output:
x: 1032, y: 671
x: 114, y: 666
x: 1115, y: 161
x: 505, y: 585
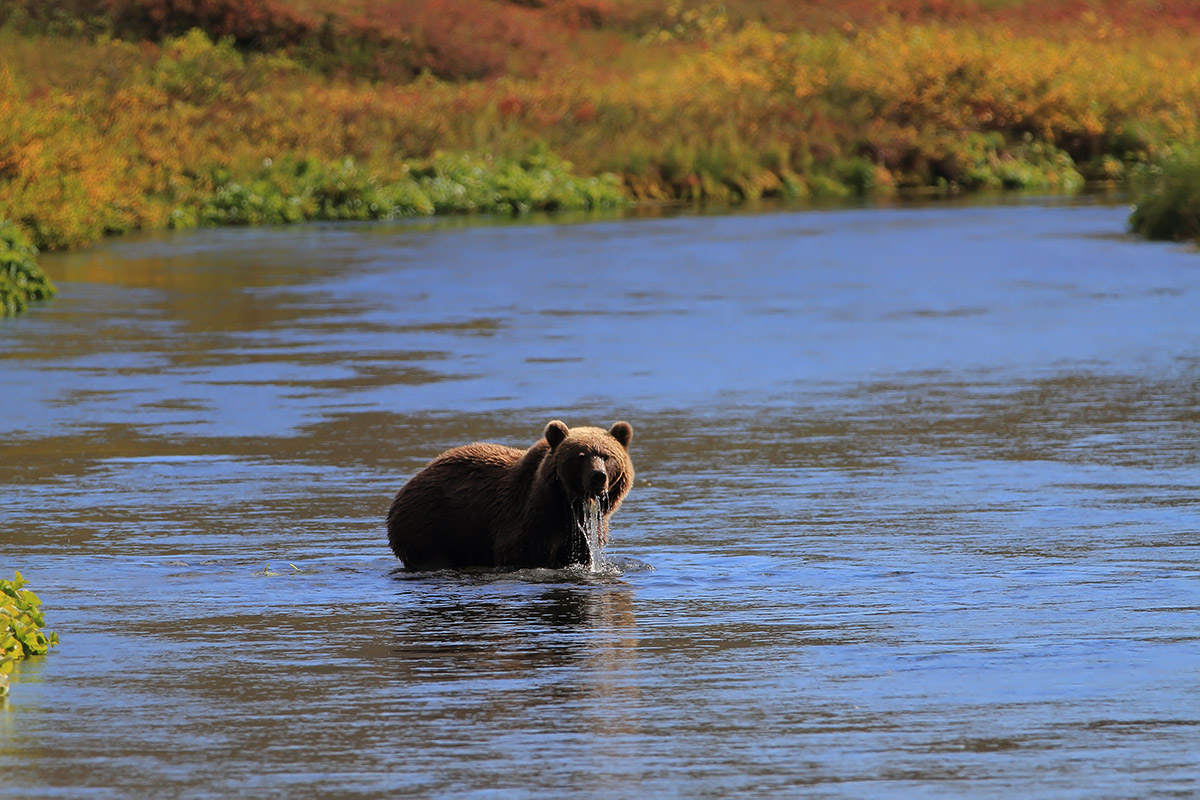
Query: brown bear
x: 486, y: 505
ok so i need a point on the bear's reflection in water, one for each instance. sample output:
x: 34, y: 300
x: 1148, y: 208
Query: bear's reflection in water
x: 512, y: 648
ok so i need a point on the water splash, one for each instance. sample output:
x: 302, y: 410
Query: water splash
x: 589, y: 522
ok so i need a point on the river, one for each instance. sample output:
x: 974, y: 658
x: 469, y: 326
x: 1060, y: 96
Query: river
x: 917, y: 511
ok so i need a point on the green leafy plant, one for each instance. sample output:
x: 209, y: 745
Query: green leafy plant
x: 293, y: 190
x: 457, y: 184
x: 21, y: 279
x: 21, y: 624
x: 1169, y: 206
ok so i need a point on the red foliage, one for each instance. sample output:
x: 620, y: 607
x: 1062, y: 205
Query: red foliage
x: 480, y: 39
x: 510, y: 106
x: 1035, y: 16
x: 468, y: 39
x: 585, y: 112
x: 1126, y: 14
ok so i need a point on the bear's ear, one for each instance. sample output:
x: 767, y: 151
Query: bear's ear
x: 622, y: 432
x: 556, y: 431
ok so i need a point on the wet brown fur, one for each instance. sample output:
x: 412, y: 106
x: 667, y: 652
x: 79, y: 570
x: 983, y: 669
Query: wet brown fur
x: 487, y: 505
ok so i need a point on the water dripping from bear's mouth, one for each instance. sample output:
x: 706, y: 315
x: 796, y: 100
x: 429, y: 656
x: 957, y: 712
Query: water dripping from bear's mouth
x: 586, y: 546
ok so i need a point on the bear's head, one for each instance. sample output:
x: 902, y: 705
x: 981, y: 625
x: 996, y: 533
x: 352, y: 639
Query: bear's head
x: 592, y: 463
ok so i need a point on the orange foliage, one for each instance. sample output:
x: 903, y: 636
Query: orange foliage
x: 696, y: 102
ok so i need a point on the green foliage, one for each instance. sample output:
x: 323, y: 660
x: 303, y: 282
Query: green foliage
x: 21, y: 279
x: 823, y: 187
x: 194, y: 69
x: 21, y: 624
x: 1169, y: 207
x: 990, y: 161
x: 297, y: 190
x: 1030, y: 164
x: 859, y: 176
x: 458, y: 184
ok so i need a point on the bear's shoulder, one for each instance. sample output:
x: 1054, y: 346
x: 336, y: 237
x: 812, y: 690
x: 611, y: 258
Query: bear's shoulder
x: 482, y: 454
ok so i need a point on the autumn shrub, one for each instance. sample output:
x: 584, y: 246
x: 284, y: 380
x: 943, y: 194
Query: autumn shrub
x: 61, y: 177
x: 194, y: 69
x: 1063, y: 18
x: 1169, y: 206
x: 452, y: 39
x: 472, y: 39
x: 918, y: 99
x: 327, y: 39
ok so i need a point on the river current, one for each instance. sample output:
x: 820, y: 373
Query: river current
x: 917, y: 510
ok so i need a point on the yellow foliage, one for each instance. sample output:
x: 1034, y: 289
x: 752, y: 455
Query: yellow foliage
x: 731, y: 112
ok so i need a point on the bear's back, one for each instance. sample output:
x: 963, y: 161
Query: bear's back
x: 448, y: 514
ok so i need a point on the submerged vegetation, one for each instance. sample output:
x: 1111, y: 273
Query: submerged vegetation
x: 21, y: 624
x: 142, y: 114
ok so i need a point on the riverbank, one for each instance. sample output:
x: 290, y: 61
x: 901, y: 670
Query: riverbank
x: 117, y: 123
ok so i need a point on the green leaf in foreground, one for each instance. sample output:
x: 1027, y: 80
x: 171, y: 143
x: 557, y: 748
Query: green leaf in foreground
x: 21, y: 623
x: 21, y: 279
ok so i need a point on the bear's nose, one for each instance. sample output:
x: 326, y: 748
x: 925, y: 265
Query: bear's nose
x: 598, y: 479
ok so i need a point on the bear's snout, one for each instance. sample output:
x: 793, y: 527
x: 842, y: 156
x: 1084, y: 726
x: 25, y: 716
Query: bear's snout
x: 597, y: 475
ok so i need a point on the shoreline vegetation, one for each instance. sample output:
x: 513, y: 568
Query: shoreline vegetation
x: 21, y: 623
x: 124, y: 115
